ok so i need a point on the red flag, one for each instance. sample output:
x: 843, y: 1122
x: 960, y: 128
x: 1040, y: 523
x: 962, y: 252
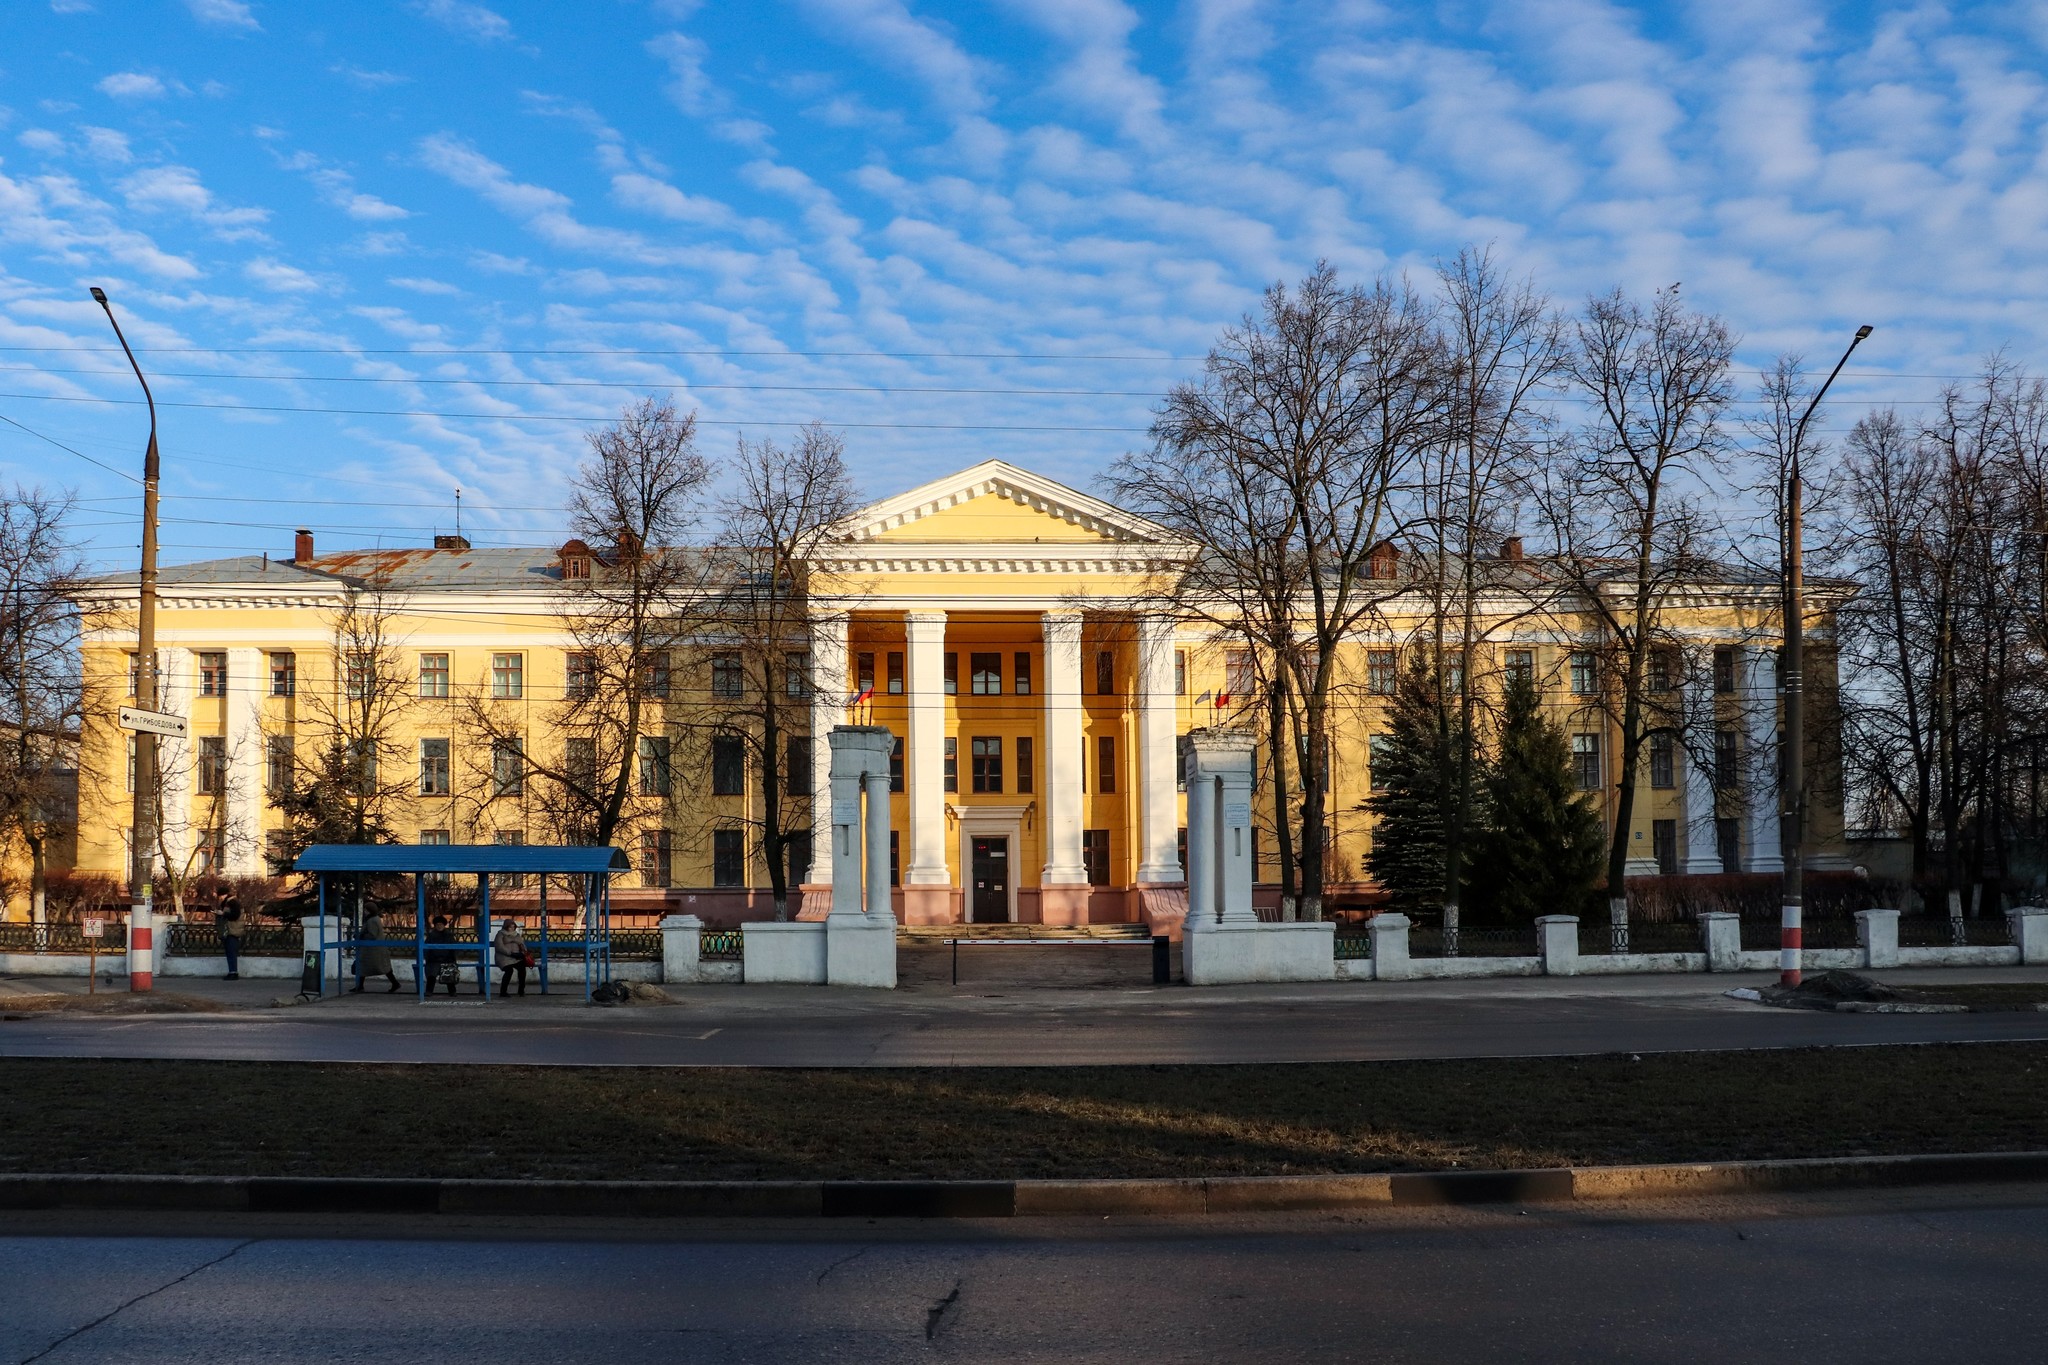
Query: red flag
x: 864, y: 694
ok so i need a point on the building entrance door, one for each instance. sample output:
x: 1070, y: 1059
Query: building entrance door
x: 990, y: 903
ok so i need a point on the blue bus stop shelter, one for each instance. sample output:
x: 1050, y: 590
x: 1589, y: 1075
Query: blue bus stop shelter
x: 333, y: 864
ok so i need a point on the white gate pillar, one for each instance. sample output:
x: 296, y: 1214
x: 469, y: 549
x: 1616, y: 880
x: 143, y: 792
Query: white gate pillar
x: 860, y: 931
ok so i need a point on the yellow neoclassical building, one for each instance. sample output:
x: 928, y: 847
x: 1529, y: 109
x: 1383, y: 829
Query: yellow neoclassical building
x: 1009, y: 633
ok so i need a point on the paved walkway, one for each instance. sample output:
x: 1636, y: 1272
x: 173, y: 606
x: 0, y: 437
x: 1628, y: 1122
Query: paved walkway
x: 1004, y: 1014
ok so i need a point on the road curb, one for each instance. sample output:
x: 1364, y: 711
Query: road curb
x: 1001, y: 1198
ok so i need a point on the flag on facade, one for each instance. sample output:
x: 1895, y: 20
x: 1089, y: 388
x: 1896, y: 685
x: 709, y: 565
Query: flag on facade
x: 1222, y: 700
x: 865, y: 694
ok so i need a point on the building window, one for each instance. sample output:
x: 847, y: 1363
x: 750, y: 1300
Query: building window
x: 656, y: 857
x: 213, y: 765
x: 1024, y: 747
x: 728, y: 857
x: 864, y: 672
x: 508, y: 676
x: 1664, y: 843
x: 1586, y: 761
x: 582, y: 675
x: 1522, y: 666
x: 985, y: 755
x: 1663, y: 762
x: 575, y: 567
x: 1452, y: 669
x: 433, y: 675
x: 654, y: 674
x: 361, y: 757
x: 654, y: 769
x: 1378, y: 749
x: 1182, y: 747
x: 579, y: 764
x: 1095, y: 855
x: 508, y: 767
x: 1105, y: 764
x: 433, y: 767
x: 1585, y: 673
x: 358, y: 673
x: 985, y: 674
x: 1379, y: 672
x: 796, y: 675
x: 796, y: 858
x: 728, y: 766
x: 134, y: 679
x: 277, y: 763
x: 509, y: 838
x: 1663, y: 670
x: 1180, y: 673
x: 796, y: 778
x: 1725, y: 770
x: 131, y: 770
x: 895, y: 672
x: 213, y: 674
x: 1105, y: 673
x: 429, y: 838
x: 896, y: 763
x: 1724, y: 669
x: 211, y: 841
x: 952, y: 764
x: 727, y: 680
x: 952, y: 672
x: 1728, y: 843
x: 1020, y: 674
x: 895, y: 860
x: 284, y: 673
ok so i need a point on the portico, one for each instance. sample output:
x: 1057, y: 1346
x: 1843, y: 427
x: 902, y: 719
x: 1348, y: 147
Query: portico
x: 995, y: 620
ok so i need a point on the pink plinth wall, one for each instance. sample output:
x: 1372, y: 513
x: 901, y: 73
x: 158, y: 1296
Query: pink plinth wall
x: 1164, y: 908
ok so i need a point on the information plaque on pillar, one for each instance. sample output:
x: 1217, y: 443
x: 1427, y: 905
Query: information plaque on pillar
x: 1237, y: 813
x: 846, y: 812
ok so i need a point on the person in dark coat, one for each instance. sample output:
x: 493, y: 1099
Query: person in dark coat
x: 441, y: 961
x: 373, y: 959
x: 227, y: 917
x: 508, y: 950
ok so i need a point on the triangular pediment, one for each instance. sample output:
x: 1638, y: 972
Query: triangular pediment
x: 996, y: 503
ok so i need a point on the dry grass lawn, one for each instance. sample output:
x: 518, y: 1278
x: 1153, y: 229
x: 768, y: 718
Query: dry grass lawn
x: 611, y: 1123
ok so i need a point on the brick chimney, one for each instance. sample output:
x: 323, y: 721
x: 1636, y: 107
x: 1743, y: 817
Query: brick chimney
x: 302, y: 547
x: 451, y: 542
x: 1511, y: 548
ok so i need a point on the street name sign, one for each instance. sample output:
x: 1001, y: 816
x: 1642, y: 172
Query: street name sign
x: 155, y: 722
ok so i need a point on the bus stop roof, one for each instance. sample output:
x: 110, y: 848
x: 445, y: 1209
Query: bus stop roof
x: 461, y: 858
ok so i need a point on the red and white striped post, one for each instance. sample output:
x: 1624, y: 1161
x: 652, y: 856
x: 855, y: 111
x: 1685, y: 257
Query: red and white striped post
x: 142, y: 944
x: 1790, y: 941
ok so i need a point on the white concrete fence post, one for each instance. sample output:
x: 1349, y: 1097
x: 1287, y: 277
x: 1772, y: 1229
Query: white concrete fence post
x: 1389, y: 932
x: 1558, y: 938
x: 2029, y: 925
x: 682, y: 946
x: 1721, y: 936
x: 309, y: 942
x: 860, y: 932
x: 1877, y: 934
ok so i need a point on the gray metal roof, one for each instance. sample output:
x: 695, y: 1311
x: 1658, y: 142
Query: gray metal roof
x: 417, y: 858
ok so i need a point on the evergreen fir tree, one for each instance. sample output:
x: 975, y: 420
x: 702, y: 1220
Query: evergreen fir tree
x: 1414, y: 794
x: 1543, y: 848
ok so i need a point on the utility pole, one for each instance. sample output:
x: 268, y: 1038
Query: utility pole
x: 144, y: 838
x: 1792, y: 678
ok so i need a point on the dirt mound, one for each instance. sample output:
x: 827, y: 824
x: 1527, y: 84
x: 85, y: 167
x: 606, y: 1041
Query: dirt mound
x: 154, y: 1002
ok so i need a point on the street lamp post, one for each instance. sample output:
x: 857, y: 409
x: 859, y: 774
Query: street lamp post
x: 1792, y: 788
x: 143, y: 819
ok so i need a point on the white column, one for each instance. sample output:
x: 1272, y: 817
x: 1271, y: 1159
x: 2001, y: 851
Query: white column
x: 829, y: 692
x: 1760, y: 708
x: 877, y: 827
x: 1234, y: 843
x: 1062, y: 793
x: 1158, y: 808
x: 1201, y: 849
x: 1696, y: 787
x: 925, y: 656
x: 175, y: 757
x: 247, y: 683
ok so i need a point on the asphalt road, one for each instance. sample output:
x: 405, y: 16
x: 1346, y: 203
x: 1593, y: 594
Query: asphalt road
x: 1851, y: 1279
x: 1002, y: 1024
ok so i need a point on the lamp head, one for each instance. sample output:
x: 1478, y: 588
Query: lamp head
x: 1863, y: 331
x: 99, y: 296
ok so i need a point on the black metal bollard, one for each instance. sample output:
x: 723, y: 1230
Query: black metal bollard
x: 1162, y: 960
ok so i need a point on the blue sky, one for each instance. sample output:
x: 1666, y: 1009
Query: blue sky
x: 985, y: 227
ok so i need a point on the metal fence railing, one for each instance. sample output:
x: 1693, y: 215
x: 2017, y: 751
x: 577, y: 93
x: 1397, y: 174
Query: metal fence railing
x: 185, y: 938
x: 1433, y: 940
x: 635, y: 945
x: 1354, y: 947
x: 62, y: 938
x: 719, y: 945
x: 1939, y: 931
x: 1598, y: 935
